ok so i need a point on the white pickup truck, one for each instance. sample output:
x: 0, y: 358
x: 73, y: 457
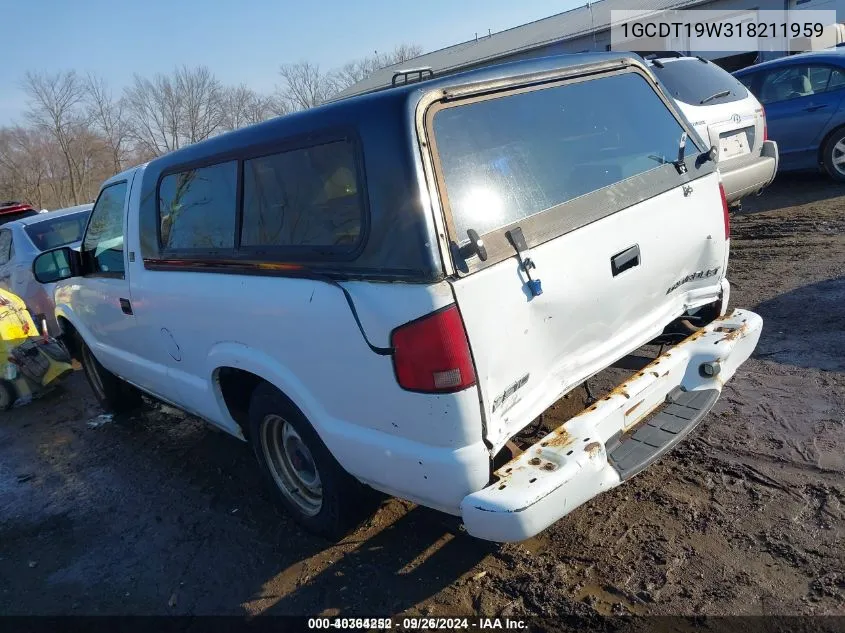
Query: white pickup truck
x: 385, y: 290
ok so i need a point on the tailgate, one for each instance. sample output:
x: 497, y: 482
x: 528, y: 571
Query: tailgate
x: 530, y: 350
x: 571, y: 185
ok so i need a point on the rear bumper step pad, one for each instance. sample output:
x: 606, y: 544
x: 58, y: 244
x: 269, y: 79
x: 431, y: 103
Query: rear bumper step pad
x: 631, y: 453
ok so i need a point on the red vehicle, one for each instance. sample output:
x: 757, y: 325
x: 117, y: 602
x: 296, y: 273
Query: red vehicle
x: 15, y: 211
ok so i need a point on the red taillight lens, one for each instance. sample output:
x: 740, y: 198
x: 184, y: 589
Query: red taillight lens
x: 762, y: 112
x: 725, y: 212
x: 432, y: 355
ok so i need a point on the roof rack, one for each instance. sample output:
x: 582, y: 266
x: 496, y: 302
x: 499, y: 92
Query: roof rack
x: 655, y: 57
x: 407, y: 73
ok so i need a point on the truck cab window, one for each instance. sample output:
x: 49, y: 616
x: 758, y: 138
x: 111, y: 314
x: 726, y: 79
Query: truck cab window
x: 103, y: 241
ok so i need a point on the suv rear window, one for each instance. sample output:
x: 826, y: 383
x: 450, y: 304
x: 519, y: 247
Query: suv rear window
x: 506, y: 158
x: 57, y: 232
x: 696, y: 83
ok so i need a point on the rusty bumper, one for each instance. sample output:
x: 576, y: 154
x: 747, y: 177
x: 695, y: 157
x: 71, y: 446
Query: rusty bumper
x: 616, y: 437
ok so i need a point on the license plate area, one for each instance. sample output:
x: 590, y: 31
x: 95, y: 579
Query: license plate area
x: 732, y: 144
x: 640, y: 405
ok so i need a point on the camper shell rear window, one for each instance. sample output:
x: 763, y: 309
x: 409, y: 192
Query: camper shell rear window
x: 514, y: 157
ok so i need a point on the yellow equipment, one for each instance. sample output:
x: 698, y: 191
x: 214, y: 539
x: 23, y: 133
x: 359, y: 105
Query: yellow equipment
x: 30, y: 362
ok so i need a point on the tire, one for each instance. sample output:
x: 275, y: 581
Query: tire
x: 113, y: 394
x: 306, y: 479
x: 8, y: 395
x: 833, y: 151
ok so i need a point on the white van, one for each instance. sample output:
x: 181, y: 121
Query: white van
x: 385, y: 290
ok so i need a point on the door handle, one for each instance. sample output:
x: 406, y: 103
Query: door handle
x: 125, y: 306
x: 628, y: 258
x: 815, y: 107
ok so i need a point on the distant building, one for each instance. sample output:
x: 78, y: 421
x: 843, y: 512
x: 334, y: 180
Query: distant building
x: 583, y: 29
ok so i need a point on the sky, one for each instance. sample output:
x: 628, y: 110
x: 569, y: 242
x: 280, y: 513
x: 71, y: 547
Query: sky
x: 240, y: 41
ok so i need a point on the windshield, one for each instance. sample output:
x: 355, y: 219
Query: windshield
x: 697, y: 83
x: 56, y: 232
x: 508, y: 158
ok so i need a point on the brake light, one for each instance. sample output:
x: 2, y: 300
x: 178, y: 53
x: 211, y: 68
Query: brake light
x: 762, y: 112
x: 725, y: 212
x: 432, y: 355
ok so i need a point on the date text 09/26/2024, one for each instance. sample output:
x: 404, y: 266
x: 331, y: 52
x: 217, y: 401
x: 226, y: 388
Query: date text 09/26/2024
x: 421, y: 623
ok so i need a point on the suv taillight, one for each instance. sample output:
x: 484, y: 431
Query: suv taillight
x: 725, y: 212
x: 432, y: 355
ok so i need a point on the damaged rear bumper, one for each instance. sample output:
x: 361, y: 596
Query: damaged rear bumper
x: 615, y: 438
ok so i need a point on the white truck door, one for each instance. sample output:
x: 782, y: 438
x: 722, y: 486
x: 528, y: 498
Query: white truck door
x: 102, y: 300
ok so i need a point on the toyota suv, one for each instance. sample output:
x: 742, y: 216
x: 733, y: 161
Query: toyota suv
x: 384, y: 291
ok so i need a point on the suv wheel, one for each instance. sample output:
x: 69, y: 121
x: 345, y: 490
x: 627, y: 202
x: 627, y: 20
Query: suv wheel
x: 833, y: 155
x: 307, y: 480
x: 114, y: 394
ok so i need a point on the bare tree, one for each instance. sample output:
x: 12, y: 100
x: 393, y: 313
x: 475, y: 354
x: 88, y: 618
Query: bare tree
x: 242, y: 106
x: 200, y: 95
x: 107, y: 115
x: 23, y: 173
x: 403, y: 53
x: 169, y: 111
x: 79, y: 132
x: 154, y: 108
x: 33, y: 167
x: 305, y: 85
x: 358, y: 70
x: 55, y: 108
x: 92, y: 162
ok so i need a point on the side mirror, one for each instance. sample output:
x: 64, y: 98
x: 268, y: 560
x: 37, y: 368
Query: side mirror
x: 56, y: 265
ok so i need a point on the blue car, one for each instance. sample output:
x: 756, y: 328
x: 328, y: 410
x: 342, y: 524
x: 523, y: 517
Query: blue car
x: 804, y: 97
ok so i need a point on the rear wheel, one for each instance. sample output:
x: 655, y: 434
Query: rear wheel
x: 306, y: 478
x: 115, y: 395
x: 833, y: 155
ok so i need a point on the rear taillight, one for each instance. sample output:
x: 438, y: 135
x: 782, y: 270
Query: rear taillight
x: 762, y: 112
x: 432, y: 355
x: 725, y: 212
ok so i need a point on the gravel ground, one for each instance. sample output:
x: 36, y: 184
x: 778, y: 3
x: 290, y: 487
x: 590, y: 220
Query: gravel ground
x: 159, y: 514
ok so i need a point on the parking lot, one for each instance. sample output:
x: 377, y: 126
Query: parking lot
x: 159, y: 514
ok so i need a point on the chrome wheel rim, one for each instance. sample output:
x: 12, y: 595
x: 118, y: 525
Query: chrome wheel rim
x: 94, y: 375
x: 292, y: 465
x: 837, y: 157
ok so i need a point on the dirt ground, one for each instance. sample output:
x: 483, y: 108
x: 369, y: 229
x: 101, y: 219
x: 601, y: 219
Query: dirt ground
x: 161, y: 515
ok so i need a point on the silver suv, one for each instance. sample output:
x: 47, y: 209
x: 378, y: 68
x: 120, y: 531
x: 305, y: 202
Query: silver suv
x: 726, y: 116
